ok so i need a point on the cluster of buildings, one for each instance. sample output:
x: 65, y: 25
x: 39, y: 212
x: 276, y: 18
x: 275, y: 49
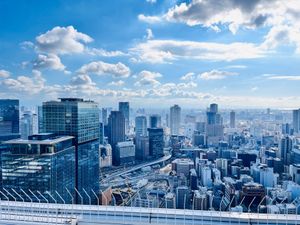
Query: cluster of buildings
x: 237, y: 161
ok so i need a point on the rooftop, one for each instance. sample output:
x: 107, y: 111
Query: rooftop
x: 51, y: 141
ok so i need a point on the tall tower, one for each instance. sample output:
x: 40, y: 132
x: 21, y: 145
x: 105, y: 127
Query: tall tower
x: 140, y: 126
x: 80, y: 119
x: 116, y: 130
x: 9, y: 117
x: 296, y: 120
x: 175, y: 119
x: 232, y: 119
x: 155, y: 121
x: 124, y: 108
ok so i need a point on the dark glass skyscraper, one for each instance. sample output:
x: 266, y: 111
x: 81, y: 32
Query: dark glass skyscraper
x: 116, y: 130
x: 155, y: 121
x: 124, y: 108
x: 140, y: 126
x: 156, y: 142
x: 9, y: 117
x: 44, y: 163
x: 78, y: 118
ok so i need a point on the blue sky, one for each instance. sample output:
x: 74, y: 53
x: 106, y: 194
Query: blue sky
x: 152, y: 53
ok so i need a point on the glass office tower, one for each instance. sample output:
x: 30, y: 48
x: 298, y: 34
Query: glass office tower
x: 9, y: 119
x: 45, y: 163
x: 78, y: 118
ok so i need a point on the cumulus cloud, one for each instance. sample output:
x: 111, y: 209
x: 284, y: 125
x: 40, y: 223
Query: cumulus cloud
x: 29, y: 85
x: 82, y: 79
x: 149, y: 19
x: 216, y: 75
x: 281, y: 17
x: 162, y: 51
x: 188, y: 77
x: 4, y: 74
x: 62, y: 40
x: 50, y: 61
x: 149, y: 34
x: 117, y: 83
x: 147, y: 78
x: 101, y: 68
x: 105, y: 53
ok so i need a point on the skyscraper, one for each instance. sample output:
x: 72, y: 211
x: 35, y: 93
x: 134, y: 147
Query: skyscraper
x: 214, y: 127
x: 9, y: 117
x: 232, y: 119
x: 175, y: 119
x: 28, y: 124
x: 78, y: 118
x: 155, y: 121
x: 44, y: 163
x: 286, y: 146
x: 104, y: 116
x: 140, y: 126
x: 296, y: 120
x: 116, y: 130
x: 124, y: 108
x: 156, y: 142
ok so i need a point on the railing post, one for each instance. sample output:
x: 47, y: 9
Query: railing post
x: 47, y: 203
x: 28, y: 198
x: 72, y: 202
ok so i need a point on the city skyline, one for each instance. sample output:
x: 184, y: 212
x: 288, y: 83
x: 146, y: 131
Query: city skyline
x: 152, y: 52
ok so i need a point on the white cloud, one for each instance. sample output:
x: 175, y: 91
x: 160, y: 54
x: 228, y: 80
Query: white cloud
x: 149, y: 19
x: 281, y: 17
x: 282, y: 77
x: 216, y: 75
x: 253, y: 89
x: 148, y: 78
x: 62, y: 40
x: 117, y: 83
x: 188, y: 77
x: 29, y: 85
x: 101, y: 68
x: 236, y: 67
x: 162, y: 51
x: 82, y: 79
x: 49, y: 61
x: 4, y: 74
x: 151, y: 1
x: 105, y: 53
x: 149, y: 34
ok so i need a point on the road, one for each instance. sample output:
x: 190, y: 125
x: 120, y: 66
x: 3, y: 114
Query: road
x: 137, y: 167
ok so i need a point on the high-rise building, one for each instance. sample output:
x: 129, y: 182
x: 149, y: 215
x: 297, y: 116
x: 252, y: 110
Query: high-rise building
x: 232, y: 119
x: 286, y: 146
x: 44, y: 163
x: 140, y: 126
x: 78, y: 118
x: 116, y: 128
x: 9, y: 118
x: 28, y: 124
x: 214, y: 126
x: 105, y: 153
x: 155, y: 121
x: 124, y: 153
x: 156, y: 142
x: 124, y: 108
x: 116, y: 131
x: 296, y: 120
x: 182, y: 197
x: 175, y: 119
x: 142, y: 147
x: 104, y: 116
